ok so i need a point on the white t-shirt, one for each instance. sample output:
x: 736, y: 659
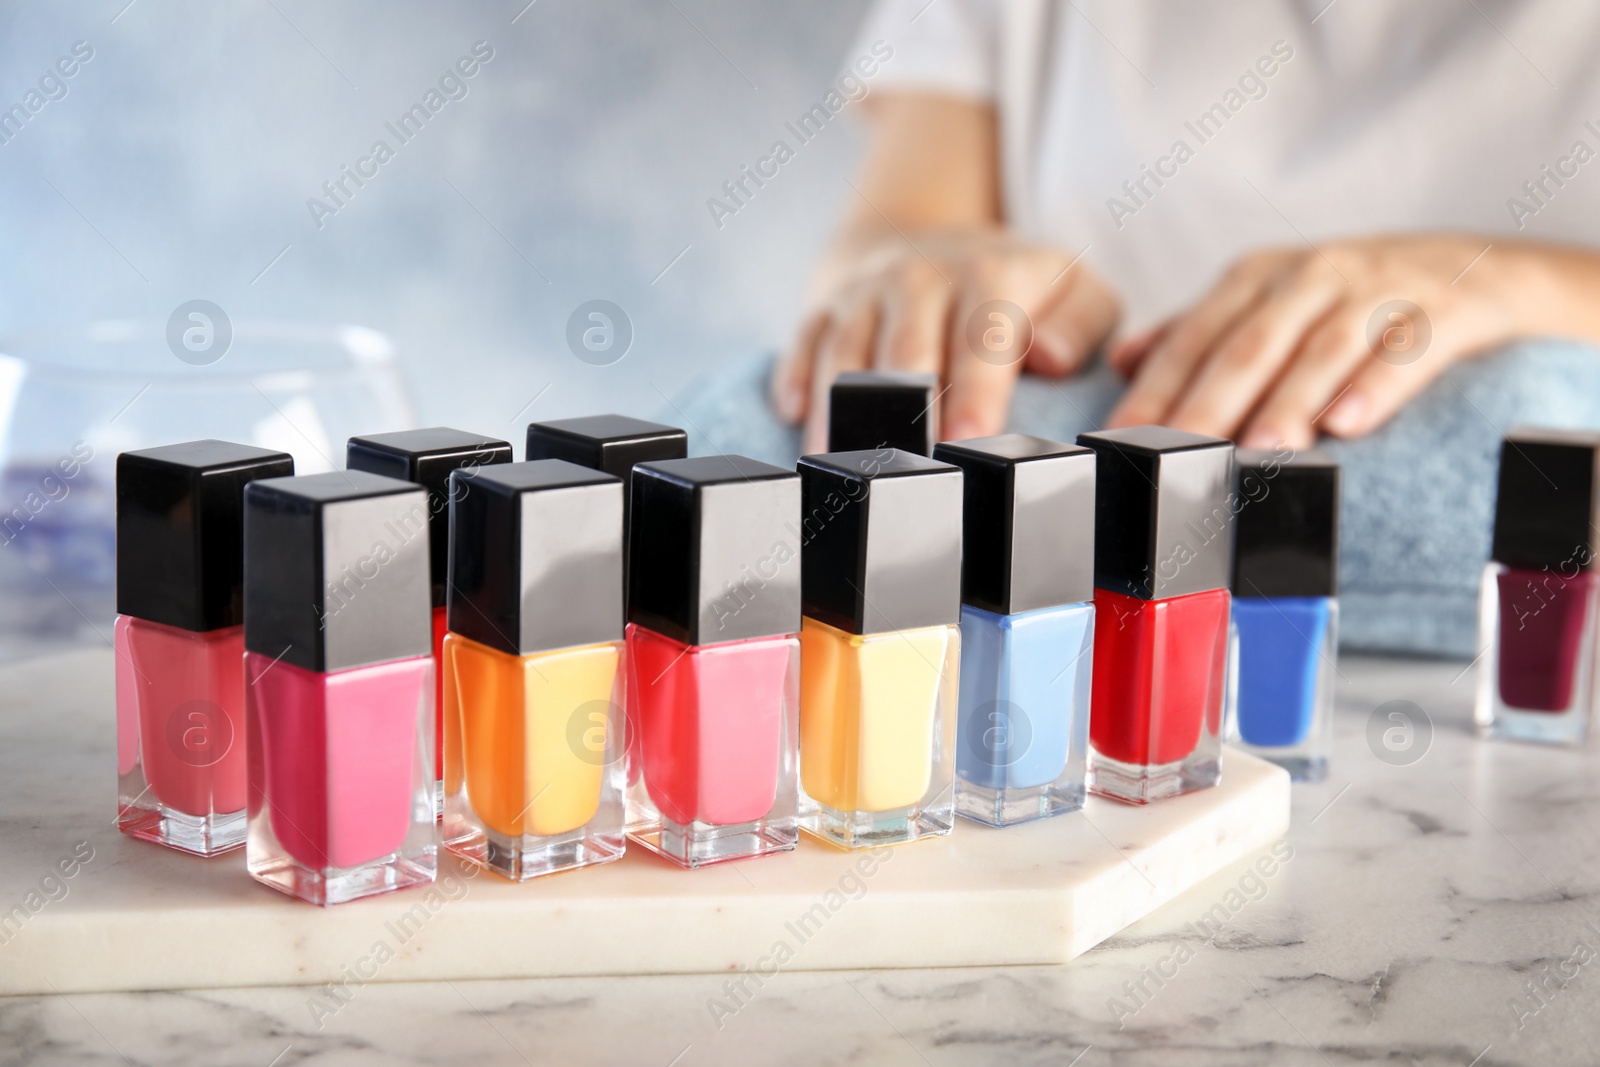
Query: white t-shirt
x: 1170, y: 137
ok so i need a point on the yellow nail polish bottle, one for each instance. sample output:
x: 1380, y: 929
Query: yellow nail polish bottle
x: 880, y: 646
x: 533, y: 678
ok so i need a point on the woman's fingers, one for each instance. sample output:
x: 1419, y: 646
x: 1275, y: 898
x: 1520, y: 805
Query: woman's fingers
x: 916, y: 315
x: 990, y: 336
x: 1377, y: 391
x: 1311, y: 386
x: 846, y: 346
x: 1126, y: 355
x: 1166, y: 371
x: 1243, y: 365
x: 1069, y: 328
x: 791, y: 378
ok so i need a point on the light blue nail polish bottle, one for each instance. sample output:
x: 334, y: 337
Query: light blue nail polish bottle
x: 1027, y: 626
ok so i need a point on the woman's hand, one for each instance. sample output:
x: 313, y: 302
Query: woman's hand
x: 925, y: 302
x: 1290, y: 341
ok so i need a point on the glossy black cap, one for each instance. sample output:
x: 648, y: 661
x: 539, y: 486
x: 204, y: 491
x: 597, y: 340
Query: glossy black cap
x: 536, y: 557
x: 336, y: 570
x: 180, y: 531
x: 883, y: 409
x: 1163, y: 511
x: 1028, y: 521
x: 882, y: 535
x: 713, y: 549
x: 427, y: 458
x: 1548, y: 504
x: 1286, y: 540
x: 610, y: 443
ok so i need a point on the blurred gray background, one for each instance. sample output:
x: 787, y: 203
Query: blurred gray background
x: 179, y: 162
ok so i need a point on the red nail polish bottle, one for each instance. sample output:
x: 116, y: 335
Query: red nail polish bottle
x: 180, y: 641
x: 714, y: 605
x: 1540, y: 613
x: 1164, y: 511
x: 426, y: 458
x: 339, y: 686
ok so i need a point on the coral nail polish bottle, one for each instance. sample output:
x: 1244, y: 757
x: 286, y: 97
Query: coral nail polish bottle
x: 180, y: 641
x: 870, y: 410
x: 1285, y: 608
x: 1027, y: 626
x: 1537, y: 680
x: 714, y: 604
x: 339, y: 685
x: 428, y: 458
x: 533, y: 668
x: 1163, y: 549
x: 881, y: 646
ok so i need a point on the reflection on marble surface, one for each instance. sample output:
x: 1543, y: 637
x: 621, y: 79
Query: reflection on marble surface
x: 1418, y: 903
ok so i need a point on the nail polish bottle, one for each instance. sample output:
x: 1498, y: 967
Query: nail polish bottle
x: 1163, y: 550
x: 180, y: 641
x: 610, y: 443
x: 1285, y: 608
x: 339, y: 686
x: 714, y: 604
x: 880, y: 646
x: 428, y: 458
x: 870, y: 410
x: 1027, y: 626
x: 533, y: 670
x: 1537, y: 679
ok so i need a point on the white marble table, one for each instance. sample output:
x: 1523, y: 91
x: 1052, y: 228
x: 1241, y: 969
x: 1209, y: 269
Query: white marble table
x: 1419, y: 900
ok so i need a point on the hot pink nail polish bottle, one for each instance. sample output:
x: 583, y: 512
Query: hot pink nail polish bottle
x: 339, y: 685
x: 179, y: 642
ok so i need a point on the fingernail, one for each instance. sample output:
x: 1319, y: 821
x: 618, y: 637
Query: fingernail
x: 1348, y: 416
x: 1260, y: 439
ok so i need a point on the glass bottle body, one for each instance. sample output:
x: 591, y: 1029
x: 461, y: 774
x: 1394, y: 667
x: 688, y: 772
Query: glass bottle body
x: 877, y: 733
x: 1023, y: 717
x: 180, y: 735
x: 712, y: 748
x: 1537, y: 679
x: 533, y: 757
x: 341, y: 778
x: 1160, y: 673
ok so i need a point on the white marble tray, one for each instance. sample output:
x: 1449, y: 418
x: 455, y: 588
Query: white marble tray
x: 136, y: 917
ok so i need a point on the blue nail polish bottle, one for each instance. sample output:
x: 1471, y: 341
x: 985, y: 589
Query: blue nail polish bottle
x: 1027, y: 626
x: 1285, y: 608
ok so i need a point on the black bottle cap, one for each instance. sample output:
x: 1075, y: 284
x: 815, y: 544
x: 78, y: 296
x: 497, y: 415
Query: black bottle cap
x: 610, y: 443
x: 1547, y: 510
x: 882, y: 536
x: 1163, y: 511
x: 427, y: 458
x: 870, y: 410
x: 336, y: 570
x: 535, y: 556
x: 180, y: 531
x: 1028, y: 521
x: 713, y: 547
x: 1286, y: 541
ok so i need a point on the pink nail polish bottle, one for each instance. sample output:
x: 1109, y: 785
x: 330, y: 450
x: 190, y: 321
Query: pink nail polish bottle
x: 339, y: 685
x: 180, y: 644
